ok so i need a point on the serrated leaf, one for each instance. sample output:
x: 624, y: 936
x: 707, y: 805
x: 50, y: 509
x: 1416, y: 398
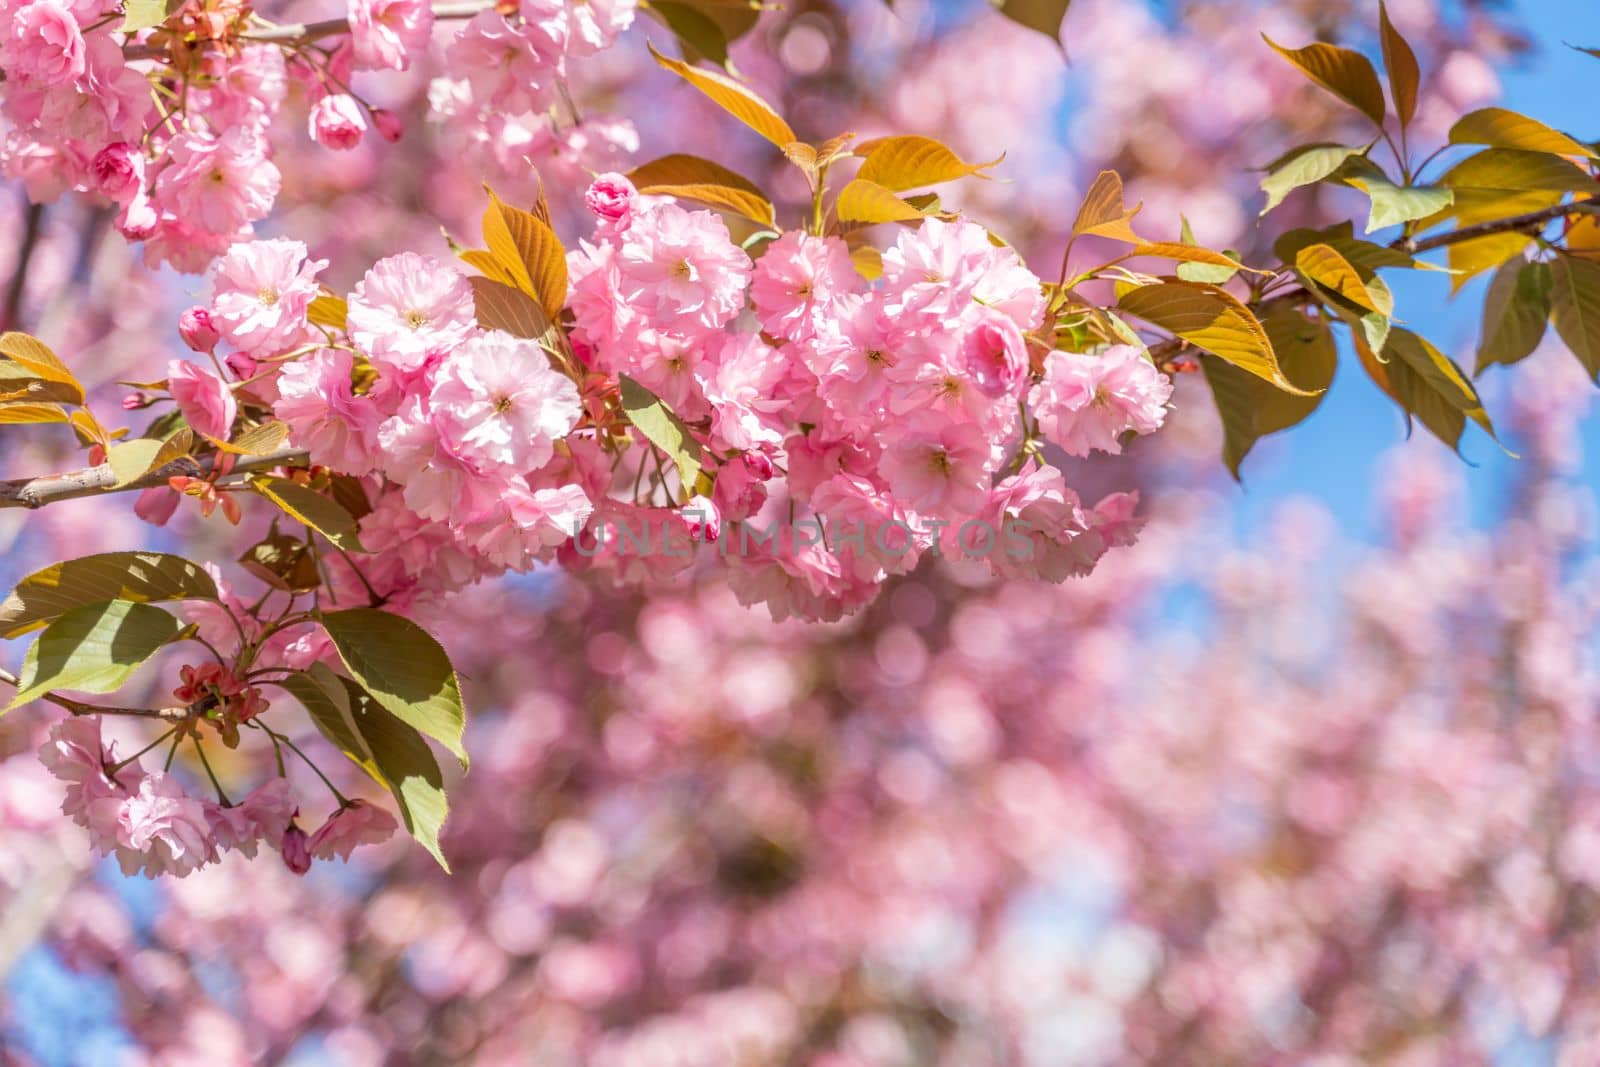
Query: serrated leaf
x: 502, y: 307
x: 1041, y: 16
x: 132, y: 460
x: 1500, y: 128
x: 1302, y: 167
x: 736, y: 99
x: 530, y: 252
x: 1342, y: 72
x: 1430, y: 385
x: 693, y: 178
x: 404, y: 669
x: 139, y: 577
x: 901, y: 163
x: 1322, y: 265
x: 391, y: 752
x: 661, y: 426
x: 1575, y: 308
x: 34, y: 356
x: 1212, y: 319
x: 1103, y: 213
x: 1251, y: 408
x: 94, y: 648
x: 311, y: 509
x: 1401, y: 64
x: 869, y: 202
x: 1515, y: 312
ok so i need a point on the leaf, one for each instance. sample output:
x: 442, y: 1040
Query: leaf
x: 901, y: 163
x: 1344, y: 73
x: 94, y: 648
x: 1041, y: 16
x: 1103, y: 213
x: 502, y: 307
x: 699, y: 179
x: 1500, y: 128
x: 392, y: 753
x: 1322, y: 265
x: 734, y: 98
x: 328, y: 309
x: 699, y: 35
x: 661, y: 426
x: 1429, y: 385
x: 1393, y: 204
x: 404, y: 669
x: 1251, y: 408
x: 34, y: 356
x: 1187, y: 253
x: 283, y: 562
x: 132, y: 460
x: 1364, y: 255
x: 1304, y: 166
x: 868, y: 262
x: 530, y: 251
x: 869, y: 202
x: 1575, y: 308
x: 140, y: 577
x: 311, y: 509
x: 1515, y: 311
x: 1209, y: 318
x: 143, y: 14
x: 1401, y: 64
x: 260, y: 440
x: 24, y: 414
x: 1517, y: 170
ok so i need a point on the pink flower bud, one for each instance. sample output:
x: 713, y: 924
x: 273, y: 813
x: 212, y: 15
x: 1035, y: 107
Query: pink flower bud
x: 703, y: 519
x: 336, y: 121
x: 138, y: 219
x: 118, y: 172
x: 156, y: 506
x: 296, y: 848
x: 198, y: 331
x: 610, y: 198
x: 388, y: 124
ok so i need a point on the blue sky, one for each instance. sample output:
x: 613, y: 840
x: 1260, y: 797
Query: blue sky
x: 1332, y: 457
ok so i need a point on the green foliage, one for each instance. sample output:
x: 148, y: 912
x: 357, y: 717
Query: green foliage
x: 1212, y: 319
x: 94, y: 648
x: 311, y: 509
x: 1575, y: 308
x: 139, y: 577
x: 404, y: 669
x: 1514, y: 313
x: 693, y: 178
x: 661, y: 426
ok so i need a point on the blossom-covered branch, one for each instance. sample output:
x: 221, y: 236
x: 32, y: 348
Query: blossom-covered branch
x: 302, y: 33
x: 93, y: 481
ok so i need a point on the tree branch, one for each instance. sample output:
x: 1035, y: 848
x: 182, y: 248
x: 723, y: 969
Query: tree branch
x: 95, y: 481
x: 305, y: 32
x: 11, y: 314
x: 1531, y: 222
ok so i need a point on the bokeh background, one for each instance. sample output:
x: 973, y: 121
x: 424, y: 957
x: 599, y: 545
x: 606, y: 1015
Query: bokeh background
x: 1311, y: 775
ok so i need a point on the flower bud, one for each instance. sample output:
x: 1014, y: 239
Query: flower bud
x: 118, y: 172
x: 388, y: 124
x: 336, y: 121
x: 610, y: 198
x: 198, y: 331
x: 296, y: 850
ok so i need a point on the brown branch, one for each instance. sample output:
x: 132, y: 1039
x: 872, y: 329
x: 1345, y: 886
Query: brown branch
x: 1531, y: 222
x: 95, y: 481
x: 11, y: 314
x: 300, y: 33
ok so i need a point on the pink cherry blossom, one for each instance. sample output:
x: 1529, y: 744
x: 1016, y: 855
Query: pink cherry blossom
x: 218, y: 183
x: 682, y: 266
x: 385, y: 34
x: 316, y: 397
x: 44, y: 44
x: 1087, y: 402
x: 799, y: 282
x: 358, y: 824
x: 260, y: 293
x: 410, y: 307
x: 161, y: 830
x: 499, y: 405
x: 119, y: 172
x: 337, y: 121
x: 610, y: 198
x: 205, y: 400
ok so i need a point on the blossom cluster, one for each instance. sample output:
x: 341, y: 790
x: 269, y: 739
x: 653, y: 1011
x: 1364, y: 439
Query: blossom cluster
x: 175, y: 128
x: 153, y: 827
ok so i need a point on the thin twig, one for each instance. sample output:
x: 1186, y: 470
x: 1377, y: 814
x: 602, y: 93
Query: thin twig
x: 33, y: 220
x: 300, y: 33
x: 1532, y: 221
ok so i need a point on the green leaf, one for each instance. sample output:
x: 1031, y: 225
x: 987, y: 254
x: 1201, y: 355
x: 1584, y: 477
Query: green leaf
x: 503, y: 307
x: 392, y: 753
x: 661, y: 426
x: 1209, y: 318
x: 1192, y: 271
x: 1499, y: 128
x: 93, y: 649
x: 139, y: 577
x: 262, y: 440
x: 143, y: 14
x: 1324, y: 267
x: 696, y: 32
x: 1346, y: 74
x: 1304, y: 166
x: 1251, y: 408
x: 901, y: 163
x: 1393, y: 204
x: 1515, y: 312
x: 1401, y: 63
x: 34, y: 356
x: 1575, y: 308
x: 132, y: 460
x: 1041, y: 16
x: 1341, y: 238
x: 310, y: 508
x: 1430, y: 386
x: 693, y: 178
x: 405, y: 670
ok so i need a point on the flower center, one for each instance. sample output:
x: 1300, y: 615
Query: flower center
x: 267, y: 296
x: 682, y: 270
x: 939, y: 461
x: 503, y: 403
x: 416, y: 319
